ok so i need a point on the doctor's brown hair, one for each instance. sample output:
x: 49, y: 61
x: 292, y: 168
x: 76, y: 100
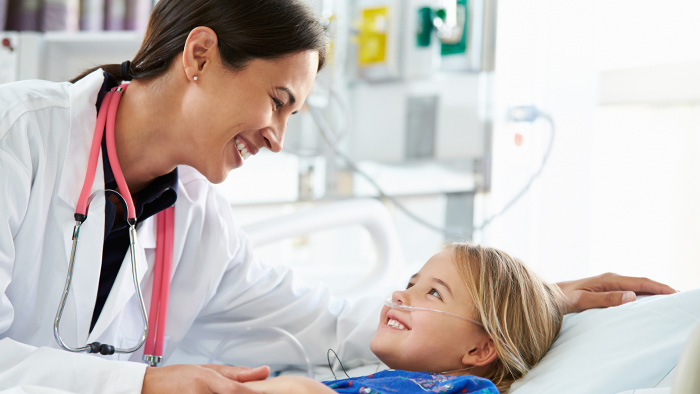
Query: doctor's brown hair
x: 246, y: 30
x: 519, y: 311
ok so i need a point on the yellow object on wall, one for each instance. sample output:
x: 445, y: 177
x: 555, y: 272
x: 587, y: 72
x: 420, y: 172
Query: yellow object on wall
x: 372, y: 37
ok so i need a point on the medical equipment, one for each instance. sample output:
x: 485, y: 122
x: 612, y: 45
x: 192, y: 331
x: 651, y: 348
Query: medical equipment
x: 161, y: 287
x: 408, y: 308
x: 387, y: 260
x: 526, y: 113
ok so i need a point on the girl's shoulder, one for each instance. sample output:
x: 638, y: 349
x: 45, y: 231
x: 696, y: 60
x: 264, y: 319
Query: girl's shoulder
x: 393, y: 381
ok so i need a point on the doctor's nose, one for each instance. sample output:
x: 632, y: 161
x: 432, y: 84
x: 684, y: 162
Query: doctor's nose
x: 274, y: 137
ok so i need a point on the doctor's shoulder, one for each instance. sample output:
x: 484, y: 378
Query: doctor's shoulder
x: 27, y: 98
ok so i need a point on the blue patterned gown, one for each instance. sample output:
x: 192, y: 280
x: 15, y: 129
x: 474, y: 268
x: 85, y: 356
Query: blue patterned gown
x: 405, y: 382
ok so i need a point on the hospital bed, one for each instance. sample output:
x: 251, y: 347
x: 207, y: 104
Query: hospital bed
x: 631, y: 349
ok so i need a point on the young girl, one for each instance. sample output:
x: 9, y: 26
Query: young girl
x: 471, y: 316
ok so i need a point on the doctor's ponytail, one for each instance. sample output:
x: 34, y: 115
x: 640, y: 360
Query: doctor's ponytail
x: 246, y: 30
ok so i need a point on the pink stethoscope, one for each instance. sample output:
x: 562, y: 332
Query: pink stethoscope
x: 153, y: 351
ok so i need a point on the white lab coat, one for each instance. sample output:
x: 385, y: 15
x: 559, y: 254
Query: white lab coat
x: 218, y: 288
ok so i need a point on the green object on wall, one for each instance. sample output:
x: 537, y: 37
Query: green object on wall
x: 460, y: 47
x: 425, y: 26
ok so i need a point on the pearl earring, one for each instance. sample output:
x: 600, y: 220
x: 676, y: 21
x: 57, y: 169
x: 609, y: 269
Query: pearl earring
x: 195, y: 78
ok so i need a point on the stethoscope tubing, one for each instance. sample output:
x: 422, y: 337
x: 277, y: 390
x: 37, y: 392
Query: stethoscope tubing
x: 161, y: 287
x: 106, y: 120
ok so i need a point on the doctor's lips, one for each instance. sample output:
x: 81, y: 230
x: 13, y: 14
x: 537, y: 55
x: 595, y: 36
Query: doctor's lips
x: 244, y: 148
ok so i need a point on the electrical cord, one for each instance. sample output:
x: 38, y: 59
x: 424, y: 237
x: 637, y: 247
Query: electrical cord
x: 524, y: 114
x: 519, y: 114
x: 336, y: 137
x: 351, y: 164
x: 330, y: 364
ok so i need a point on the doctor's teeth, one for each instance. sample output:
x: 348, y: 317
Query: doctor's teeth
x: 242, y: 149
x: 395, y: 324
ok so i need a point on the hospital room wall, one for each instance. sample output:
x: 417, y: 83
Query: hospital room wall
x: 620, y: 191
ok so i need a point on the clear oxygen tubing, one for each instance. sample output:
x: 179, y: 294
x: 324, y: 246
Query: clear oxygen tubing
x: 516, y: 114
x: 271, y: 332
x: 408, y: 308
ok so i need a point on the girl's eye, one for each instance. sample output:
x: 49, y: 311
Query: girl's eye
x: 278, y: 103
x: 409, y: 285
x: 435, y: 293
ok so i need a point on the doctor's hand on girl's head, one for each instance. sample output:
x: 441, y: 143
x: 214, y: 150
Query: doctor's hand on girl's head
x: 607, y: 290
x: 202, y: 379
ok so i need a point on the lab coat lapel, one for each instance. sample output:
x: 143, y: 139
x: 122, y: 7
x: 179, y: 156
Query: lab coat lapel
x: 123, y: 289
x: 87, y: 262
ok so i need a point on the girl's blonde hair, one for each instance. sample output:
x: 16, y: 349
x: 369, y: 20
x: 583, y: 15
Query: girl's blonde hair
x: 519, y: 311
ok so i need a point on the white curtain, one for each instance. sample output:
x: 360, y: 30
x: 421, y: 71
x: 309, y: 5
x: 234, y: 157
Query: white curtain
x: 621, y: 189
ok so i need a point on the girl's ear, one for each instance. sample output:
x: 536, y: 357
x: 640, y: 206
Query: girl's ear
x: 201, y: 49
x: 482, y: 353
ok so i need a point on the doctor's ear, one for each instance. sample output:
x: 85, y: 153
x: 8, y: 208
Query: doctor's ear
x: 482, y: 353
x: 200, y: 49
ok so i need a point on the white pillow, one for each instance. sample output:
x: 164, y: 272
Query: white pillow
x: 633, y: 346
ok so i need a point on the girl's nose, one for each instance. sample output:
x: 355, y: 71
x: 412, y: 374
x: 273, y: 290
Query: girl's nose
x: 399, y: 297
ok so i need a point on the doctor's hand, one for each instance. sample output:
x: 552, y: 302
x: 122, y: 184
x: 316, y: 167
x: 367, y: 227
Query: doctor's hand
x: 608, y: 290
x: 201, y: 379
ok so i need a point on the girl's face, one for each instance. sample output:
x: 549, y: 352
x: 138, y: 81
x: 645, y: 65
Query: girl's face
x: 231, y: 115
x: 423, y: 340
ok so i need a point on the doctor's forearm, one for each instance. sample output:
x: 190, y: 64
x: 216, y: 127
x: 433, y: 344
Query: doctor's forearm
x: 203, y: 379
x: 290, y: 385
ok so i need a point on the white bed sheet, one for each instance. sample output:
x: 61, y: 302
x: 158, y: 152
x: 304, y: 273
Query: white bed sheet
x: 630, y: 349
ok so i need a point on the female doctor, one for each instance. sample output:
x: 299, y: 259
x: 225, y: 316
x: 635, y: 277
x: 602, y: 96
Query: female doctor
x: 214, y: 82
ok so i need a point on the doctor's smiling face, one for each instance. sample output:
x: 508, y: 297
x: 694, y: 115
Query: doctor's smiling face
x: 428, y: 341
x: 232, y: 114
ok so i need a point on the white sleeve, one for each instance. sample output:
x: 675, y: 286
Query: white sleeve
x: 52, y: 370
x: 237, y: 325
x: 25, y: 368
x: 15, y: 183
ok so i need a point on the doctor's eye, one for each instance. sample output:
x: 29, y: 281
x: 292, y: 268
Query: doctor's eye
x: 278, y: 103
x: 435, y: 293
